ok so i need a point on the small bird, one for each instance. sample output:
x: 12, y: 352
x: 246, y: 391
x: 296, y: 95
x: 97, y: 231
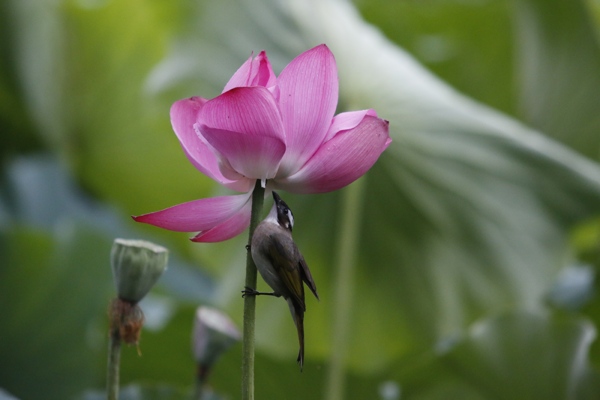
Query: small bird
x: 281, y: 264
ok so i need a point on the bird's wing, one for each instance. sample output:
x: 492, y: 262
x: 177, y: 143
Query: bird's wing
x: 307, y: 277
x: 282, y: 252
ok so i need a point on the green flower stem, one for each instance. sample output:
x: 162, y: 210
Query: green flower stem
x: 114, y: 361
x: 344, y: 286
x: 258, y: 196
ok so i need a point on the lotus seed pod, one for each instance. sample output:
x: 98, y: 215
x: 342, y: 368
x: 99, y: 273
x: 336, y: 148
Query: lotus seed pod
x: 136, y: 266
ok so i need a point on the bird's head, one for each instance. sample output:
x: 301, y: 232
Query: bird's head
x: 284, y: 215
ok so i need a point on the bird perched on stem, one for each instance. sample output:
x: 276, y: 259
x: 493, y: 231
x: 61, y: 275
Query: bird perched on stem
x: 281, y: 264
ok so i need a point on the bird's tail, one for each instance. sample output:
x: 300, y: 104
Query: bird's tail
x: 298, y: 315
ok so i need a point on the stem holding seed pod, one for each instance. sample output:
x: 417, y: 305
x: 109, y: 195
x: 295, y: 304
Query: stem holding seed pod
x: 136, y: 266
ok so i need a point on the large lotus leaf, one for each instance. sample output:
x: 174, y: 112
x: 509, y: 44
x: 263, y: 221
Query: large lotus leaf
x: 466, y: 43
x: 53, y: 296
x: 82, y: 67
x: 525, y: 355
x: 558, y: 64
x: 55, y: 283
x: 465, y: 213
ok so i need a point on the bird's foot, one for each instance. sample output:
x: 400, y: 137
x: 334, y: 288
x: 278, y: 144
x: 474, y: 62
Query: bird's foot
x: 249, y: 292
x: 253, y: 292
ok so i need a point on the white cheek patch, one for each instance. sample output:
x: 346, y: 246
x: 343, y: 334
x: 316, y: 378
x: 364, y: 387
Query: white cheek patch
x: 290, y: 218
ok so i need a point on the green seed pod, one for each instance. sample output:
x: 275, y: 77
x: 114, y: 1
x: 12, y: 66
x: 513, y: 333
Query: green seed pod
x: 136, y: 266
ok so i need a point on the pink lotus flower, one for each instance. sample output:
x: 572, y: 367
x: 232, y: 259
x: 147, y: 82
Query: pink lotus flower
x: 280, y: 130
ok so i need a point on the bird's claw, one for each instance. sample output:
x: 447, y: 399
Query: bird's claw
x: 249, y: 292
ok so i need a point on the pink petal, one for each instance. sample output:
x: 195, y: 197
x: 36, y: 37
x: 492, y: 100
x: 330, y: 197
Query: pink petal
x: 308, y: 95
x: 198, y: 215
x: 184, y: 114
x: 254, y: 72
x: 228, y: 229
x: 346, y: 121
x: 245, y: 127
x: 343, y: 159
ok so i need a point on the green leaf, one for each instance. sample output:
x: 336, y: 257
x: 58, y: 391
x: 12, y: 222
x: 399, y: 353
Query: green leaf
x: 526, y: 355
x: 557, y: 65
x: 466, y: 43
x: 83, y: 69
x: 53, y: 297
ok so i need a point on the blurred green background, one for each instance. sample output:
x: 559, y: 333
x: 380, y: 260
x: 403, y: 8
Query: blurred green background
x: 475, y: 267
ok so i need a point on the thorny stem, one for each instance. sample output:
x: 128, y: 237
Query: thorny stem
x: 345, y: 260
x: 250, y: 301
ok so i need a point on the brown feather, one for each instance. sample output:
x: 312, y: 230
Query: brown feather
x: 298, y: 315
x: 282, y: 252
x: 307, y: 277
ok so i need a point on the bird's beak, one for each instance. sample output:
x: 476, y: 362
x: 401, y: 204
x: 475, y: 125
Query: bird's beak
x: 276, y: 197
